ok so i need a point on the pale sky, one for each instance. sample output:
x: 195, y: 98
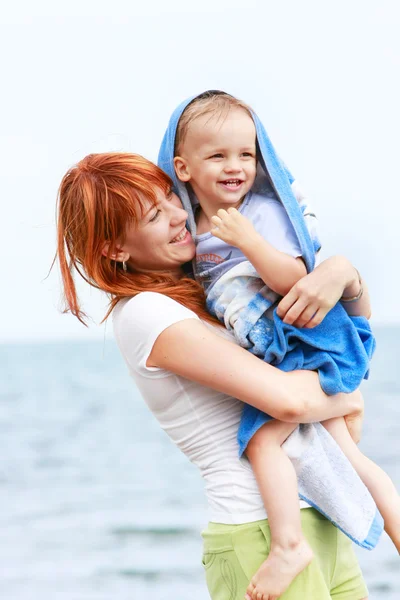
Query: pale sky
x: 96, y: 76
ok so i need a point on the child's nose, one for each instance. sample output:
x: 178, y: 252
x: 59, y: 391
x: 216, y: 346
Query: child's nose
x: 233, y: 166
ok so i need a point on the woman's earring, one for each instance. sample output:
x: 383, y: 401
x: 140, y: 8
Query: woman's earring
x: 125, y: 268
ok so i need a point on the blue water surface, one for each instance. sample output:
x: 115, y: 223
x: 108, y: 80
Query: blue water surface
x: 97, y: 504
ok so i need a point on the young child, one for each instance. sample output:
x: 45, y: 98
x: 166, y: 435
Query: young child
x: 254, y: 234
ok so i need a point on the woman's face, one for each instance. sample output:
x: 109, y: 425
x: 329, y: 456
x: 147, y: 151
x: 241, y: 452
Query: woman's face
x: 161, y: 241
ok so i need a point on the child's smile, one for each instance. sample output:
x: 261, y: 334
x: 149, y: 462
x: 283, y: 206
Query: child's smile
x: 232, y: 185
x: 218, y: 159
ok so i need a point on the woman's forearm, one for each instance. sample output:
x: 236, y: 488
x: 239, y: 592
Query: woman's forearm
x: 343, y: 270
x: 191, y: 350
x: 313, y: 404
x: 362, y: 306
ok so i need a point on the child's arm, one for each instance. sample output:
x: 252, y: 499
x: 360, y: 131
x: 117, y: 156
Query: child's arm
x: 278, y: 270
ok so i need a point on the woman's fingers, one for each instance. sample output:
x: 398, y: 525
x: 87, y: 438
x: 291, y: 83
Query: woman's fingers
x: 286, y: 303
x: 303, y: 305
x: 294, y: 311
x: 316, y: 319
x: 306, y: 316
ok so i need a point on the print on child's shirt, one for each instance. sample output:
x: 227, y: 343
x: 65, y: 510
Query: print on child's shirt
x: 211, y: 266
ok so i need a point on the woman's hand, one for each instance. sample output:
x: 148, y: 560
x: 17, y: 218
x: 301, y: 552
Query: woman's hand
x: 313, y: 296
x: 233, y: 228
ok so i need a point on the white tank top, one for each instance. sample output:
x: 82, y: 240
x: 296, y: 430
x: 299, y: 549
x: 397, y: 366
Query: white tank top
x: 202, y: 422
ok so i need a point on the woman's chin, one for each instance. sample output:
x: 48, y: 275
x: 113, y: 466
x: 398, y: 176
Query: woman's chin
x: 184, y: 250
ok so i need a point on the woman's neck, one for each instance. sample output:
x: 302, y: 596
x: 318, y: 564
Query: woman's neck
x: 175, y: 274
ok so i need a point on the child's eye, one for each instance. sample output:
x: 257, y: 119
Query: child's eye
x: 217, y: 155
x: 248, y: 154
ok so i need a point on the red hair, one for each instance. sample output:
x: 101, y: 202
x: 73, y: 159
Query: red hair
x: 97, y: 198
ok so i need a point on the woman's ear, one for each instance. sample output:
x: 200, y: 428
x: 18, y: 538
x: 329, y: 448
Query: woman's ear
x: 181, y: 169
x: 119, y: 255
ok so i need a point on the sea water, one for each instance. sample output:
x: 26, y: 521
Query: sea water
x: 95, y: 501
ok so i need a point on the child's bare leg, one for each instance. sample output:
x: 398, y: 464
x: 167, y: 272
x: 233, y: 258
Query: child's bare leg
x: 377, y: 481
x: 277, y: 481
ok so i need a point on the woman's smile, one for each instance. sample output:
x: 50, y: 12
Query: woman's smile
x: 161, y: 241
x: 181, y: 237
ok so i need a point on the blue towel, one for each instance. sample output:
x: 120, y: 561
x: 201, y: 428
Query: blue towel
x: 289, y: 348
x: 339, y: 370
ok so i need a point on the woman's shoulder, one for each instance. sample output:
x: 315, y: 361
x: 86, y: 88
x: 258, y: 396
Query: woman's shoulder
x: 144, y: 299
x: 147, y: 302
x: 138, y: 321
x: 148, y: 311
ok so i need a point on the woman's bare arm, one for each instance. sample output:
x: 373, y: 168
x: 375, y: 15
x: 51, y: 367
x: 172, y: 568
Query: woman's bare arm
x: 362, y: 307
x: 311, y: 298
x: 192, y: 350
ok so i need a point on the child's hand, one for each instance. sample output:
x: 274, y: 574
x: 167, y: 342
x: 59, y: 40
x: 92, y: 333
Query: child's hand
x: 233, y: 228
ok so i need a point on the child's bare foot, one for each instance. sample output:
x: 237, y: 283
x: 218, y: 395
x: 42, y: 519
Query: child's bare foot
x: 278, y: 571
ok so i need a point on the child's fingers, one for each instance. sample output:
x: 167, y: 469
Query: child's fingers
x: 217, y: 233
x: 222, y: 213
x: 216, y: 220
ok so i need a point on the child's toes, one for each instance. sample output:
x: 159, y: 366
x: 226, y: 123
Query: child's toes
x: 249, y: 591
x: 257, y: 595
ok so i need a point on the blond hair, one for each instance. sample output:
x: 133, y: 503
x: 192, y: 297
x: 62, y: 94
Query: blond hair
x: 213, y: 103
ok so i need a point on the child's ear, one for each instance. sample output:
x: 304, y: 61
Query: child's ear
x: 181, y: 169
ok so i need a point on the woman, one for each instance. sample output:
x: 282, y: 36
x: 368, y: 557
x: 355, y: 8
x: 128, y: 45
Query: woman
x: 124, y: 231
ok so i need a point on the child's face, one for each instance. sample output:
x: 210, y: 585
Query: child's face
x: 218, y: 158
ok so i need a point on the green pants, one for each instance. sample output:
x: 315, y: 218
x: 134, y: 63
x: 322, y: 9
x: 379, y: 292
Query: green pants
x: 233, y: 553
